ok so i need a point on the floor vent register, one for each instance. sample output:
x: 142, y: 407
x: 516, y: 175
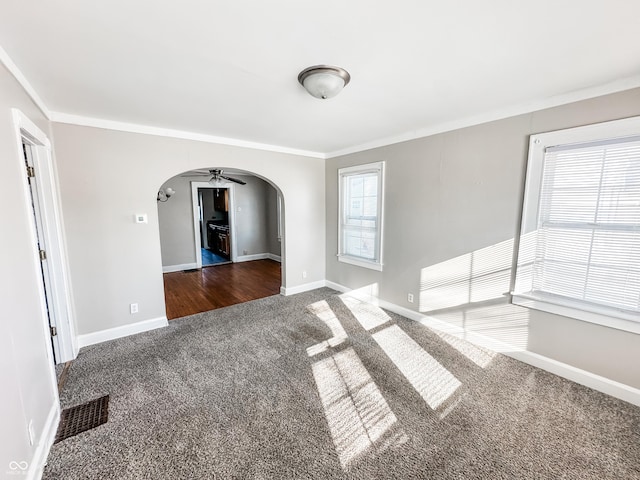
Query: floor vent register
x: 78, y: 419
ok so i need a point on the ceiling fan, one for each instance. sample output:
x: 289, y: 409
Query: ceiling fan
x: 216, y: 176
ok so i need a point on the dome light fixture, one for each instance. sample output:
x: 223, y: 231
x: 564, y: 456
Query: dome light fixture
x: 324, y: 81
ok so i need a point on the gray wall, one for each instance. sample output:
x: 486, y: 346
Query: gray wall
x: 106, y: 177
x: 253, y: 214
x: 26, y: 375
x: 454, y: 200
x: 175, y: 222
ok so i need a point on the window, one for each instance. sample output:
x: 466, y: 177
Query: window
x: 360, y: 224
x: 579, y: 253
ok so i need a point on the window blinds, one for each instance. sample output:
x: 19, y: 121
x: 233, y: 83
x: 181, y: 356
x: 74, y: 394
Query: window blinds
x: 587, y: 245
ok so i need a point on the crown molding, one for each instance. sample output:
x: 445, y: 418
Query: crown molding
x: 60, y: 117
x: 620, y: 85
x: 523, y: 108
x: 5, y: 59
x: 80, y: 120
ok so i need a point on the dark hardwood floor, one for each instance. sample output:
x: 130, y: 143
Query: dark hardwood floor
x: 218, y: 286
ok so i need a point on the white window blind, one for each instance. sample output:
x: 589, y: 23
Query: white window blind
x: 585, y: 249
x: 588, y: 244
x: 361, y: 215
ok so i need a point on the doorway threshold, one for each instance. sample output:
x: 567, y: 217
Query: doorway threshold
x: 217, y: 264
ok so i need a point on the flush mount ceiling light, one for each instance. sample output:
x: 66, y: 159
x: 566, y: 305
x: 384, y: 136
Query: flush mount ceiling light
x: 324, y: 81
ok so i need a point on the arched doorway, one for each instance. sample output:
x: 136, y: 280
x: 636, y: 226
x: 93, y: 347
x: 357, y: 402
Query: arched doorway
x: 221, y: 239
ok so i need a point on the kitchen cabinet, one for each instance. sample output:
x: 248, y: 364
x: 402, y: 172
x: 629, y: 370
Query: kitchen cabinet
x: 223, y: 244
x: 219, y: 239
x: 221, y: 200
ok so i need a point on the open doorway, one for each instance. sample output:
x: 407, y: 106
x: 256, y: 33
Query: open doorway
x: 213, y: 223
x: 214, y: 226
x: 240, y: 223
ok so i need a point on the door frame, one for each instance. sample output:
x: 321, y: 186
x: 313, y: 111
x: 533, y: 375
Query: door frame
x: 60, y: 305
x: 195, y: 207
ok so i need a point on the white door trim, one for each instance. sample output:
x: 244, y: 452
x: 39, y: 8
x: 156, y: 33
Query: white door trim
x: 196, y: 218
x: 61, y: 304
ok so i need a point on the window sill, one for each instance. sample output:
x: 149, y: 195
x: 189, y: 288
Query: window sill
x: 360, y: 263
x: 622, y: 321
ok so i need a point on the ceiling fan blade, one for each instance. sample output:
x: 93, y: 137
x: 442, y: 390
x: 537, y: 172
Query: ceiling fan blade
x: 196, y: 173
x: 231, y: 179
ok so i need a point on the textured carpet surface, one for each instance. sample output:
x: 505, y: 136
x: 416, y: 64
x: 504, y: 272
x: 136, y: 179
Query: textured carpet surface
x: 318, y: 386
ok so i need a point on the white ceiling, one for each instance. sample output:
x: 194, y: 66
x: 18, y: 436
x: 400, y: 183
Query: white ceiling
x: 230, y: 68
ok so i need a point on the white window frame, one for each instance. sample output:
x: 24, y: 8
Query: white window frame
x: 602, y: 315
x: 355, y: 170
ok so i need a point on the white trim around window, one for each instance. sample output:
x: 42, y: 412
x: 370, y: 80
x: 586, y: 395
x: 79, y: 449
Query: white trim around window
x: 579, y: 253
x: 360, y: 215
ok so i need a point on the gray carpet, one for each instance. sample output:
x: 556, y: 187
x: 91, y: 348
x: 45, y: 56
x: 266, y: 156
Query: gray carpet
x: 59, y: 370
x: 310, y: 387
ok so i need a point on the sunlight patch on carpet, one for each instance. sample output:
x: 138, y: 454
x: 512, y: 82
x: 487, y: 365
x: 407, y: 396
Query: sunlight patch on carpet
x: 369, y: 316
x: 478, y: 355
x: 429, y: 378
x: 357, y: 414
x: 323, y: 311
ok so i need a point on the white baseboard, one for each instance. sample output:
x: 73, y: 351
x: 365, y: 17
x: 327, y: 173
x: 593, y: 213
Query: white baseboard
x: 336, y: 286
x: 583, y: 377
x: 588, y: 379
x: 122, y: 331
x: 257, y: 256
x: 366, y: 296
x: 36, y: 466
x: 179, y: 268
x: 249, y: 258
x: 302, y: 288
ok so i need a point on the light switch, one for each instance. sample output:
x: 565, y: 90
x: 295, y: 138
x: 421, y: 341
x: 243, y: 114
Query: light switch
x: 141, y: 218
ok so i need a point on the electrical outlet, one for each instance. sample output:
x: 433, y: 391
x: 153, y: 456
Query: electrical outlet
x: 133, y: 308
x: 410, y: 298
x: 244, y: 252
x: 304, y: 274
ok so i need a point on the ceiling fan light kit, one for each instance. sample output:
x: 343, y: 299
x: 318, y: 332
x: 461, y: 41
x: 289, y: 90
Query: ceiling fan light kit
x: 324, y: 81
x: 215, y: 174
x: 216, y: 178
